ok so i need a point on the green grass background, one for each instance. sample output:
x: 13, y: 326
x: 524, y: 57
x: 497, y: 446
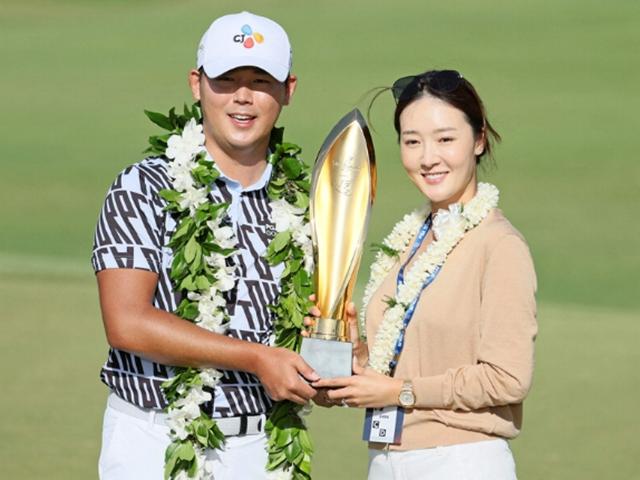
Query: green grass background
x: 560, y: 82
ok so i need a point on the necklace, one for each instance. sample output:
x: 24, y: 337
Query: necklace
x: 449, y: 227
x: 201, y: 245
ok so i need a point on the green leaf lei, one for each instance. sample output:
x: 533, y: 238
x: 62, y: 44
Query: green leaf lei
x: 289, y: 445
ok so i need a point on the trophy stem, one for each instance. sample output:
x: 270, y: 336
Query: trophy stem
x: 330, y: 329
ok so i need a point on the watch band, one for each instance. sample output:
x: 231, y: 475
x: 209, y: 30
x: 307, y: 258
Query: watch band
x: 407, y: 397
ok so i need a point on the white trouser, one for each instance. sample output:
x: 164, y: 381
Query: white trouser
x: 133, y: 449
x: 488, y: 460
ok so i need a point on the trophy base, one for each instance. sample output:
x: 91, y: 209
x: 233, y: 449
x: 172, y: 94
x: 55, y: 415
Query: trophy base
x: 329, y: 358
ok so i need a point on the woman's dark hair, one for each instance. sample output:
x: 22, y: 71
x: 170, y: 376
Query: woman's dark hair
x: 450, y: 87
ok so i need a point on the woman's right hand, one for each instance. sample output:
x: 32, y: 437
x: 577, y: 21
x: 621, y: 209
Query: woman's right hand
x: 360, y: 348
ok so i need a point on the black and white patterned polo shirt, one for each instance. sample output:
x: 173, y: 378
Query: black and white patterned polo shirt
x: 133, y: 231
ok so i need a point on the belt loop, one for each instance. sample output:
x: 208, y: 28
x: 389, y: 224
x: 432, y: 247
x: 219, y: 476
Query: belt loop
x: 260, y: 420
x: 243, y: 425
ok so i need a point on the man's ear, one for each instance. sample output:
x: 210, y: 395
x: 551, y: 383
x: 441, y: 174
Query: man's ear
x: 194, y: 83
x: 290, y: 86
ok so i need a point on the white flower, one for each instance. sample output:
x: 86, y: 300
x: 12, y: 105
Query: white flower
x: 209, y: 295
x: 280, y: 474
x: 225, y: 275
x: 216, y: 323
x: 190, y: 403
x: 182, y: 475
x: 181, y: 174
x: 210, y: 376
x: 188, y: 144
x: 285, y: 216
x: 216, y: 260
x: 182, y: 182
x: 225, y: 237
x: 211, y: 313
x: 225, y: 281
x: 450, y: 220
x: 474, y: 211
x: 307, y: 250
x: 301, y: 237
x: 177, y: 421
x: 192, y: 198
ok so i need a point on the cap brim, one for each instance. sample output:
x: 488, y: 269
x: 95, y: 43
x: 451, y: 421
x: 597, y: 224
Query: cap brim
x: 216, y: 68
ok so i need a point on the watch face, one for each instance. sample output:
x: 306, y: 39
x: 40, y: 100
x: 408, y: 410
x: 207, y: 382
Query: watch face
x: 407, y: 399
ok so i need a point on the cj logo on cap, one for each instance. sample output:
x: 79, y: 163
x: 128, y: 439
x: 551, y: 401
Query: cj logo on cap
x: 248, y: 37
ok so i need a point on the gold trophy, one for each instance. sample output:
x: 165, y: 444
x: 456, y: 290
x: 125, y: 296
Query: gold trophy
x: 342, y: 191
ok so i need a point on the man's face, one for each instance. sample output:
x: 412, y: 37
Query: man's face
x: 240, y: 107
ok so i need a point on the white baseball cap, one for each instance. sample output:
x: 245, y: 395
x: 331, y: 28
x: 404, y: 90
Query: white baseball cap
x: 245, y: 40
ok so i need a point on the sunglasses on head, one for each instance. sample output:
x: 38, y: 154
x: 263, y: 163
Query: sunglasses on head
x: 437, y: 80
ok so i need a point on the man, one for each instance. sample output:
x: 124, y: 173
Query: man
x: 242, y: 81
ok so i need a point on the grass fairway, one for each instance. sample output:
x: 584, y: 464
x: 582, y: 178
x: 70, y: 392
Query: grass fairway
x: 577, y: 424
x: 560, y: 81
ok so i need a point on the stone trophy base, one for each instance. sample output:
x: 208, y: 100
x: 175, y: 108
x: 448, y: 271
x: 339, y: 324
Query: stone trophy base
x: 329, y: 358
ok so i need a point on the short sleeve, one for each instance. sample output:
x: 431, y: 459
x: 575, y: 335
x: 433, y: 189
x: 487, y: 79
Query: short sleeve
x: 130, y: 228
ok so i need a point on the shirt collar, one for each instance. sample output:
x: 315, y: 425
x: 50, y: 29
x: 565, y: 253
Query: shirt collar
x: 257, y: 185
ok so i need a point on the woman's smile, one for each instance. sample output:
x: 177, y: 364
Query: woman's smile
x: 434, y: 178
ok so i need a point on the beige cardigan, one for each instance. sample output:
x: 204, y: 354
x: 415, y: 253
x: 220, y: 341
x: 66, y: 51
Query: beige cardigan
x: 469, y: 346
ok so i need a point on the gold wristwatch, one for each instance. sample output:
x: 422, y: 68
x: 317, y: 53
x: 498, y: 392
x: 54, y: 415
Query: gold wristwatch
x: 407, y: 398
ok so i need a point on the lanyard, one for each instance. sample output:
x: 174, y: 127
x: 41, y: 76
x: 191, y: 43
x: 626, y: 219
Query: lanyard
x: 426, y: 226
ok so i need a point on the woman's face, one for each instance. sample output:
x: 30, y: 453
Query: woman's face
x: 438, y: 149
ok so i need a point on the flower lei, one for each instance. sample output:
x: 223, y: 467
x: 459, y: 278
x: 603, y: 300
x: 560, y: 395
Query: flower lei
x: 201, y: 245
x: 449, y: 226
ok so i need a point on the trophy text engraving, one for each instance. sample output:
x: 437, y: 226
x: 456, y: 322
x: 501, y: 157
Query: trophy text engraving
x: 346, y: 173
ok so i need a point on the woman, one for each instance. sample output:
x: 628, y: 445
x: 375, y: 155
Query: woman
x: 449, y: 309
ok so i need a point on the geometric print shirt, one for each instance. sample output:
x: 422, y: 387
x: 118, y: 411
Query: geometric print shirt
x: 133, y: 232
